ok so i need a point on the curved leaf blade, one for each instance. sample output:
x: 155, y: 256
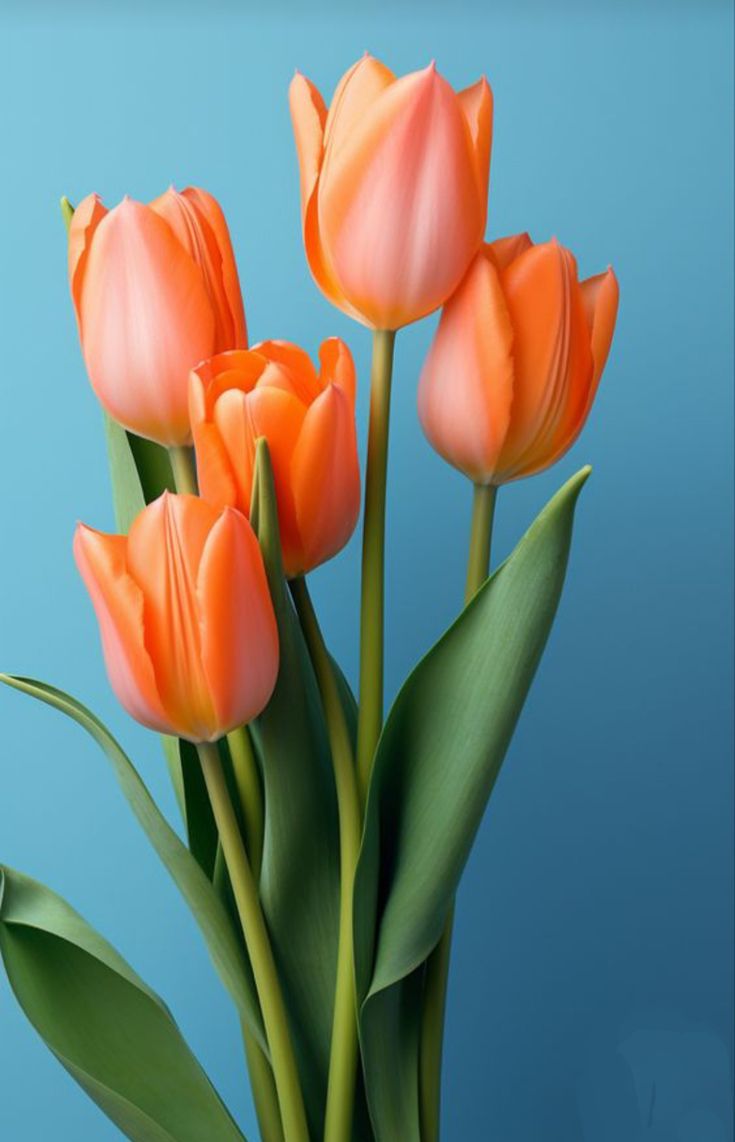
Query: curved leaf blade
x: 300, y: 875
x: 224, y: 947
x: 437, y: 761
x: 107, y: 1028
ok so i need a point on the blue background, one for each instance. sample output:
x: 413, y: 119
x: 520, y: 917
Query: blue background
x: 591, y: 991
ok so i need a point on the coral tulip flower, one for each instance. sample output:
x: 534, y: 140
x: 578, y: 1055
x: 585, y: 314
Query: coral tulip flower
x: 308, y: 419
x: 516, y: 360
x: 394, y: 181
x: 155, y: 289
x: 188, y: 630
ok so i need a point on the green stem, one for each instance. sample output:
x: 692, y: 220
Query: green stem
x: 437, y: 967
x: 478, y: 560
x: 370, y: 718
x: 184, y: 470
x: 258, y: 945
x: 264, y: 1089
x: 250, y: 793
x: 344, y: 1051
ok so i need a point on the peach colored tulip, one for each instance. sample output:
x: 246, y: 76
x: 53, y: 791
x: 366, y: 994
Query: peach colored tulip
x: 155, y: 290
x: 516, y: 360
x: 188, y: 630
x: 308, y: 419
x: 394, y: 183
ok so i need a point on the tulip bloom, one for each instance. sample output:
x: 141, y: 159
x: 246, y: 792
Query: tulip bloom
x: 155, y: 289
x: 187, y: 625
x: 516, y: 360
x: 394, y: 182
x: 273, y: 391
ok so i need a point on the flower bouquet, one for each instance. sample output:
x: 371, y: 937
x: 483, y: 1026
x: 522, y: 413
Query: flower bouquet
x: 324, y: 842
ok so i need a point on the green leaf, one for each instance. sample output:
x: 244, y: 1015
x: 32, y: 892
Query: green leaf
x: 140, y: 471
x: 300, y: 875
x: 436, y: 763
x: 208, y: 910
x: 111, y: 1032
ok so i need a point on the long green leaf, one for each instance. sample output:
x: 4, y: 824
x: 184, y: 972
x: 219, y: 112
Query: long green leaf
x: 436, y: 764
x: 208, y: 910
x: 110, y: 1031
x: 300, y: 877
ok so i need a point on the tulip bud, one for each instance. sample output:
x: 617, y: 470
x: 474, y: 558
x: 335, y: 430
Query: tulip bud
x: 155, y: 289
x: 516, y: 360
x: 394, y: 185
x: 273, y: 391
x: 187, y: 625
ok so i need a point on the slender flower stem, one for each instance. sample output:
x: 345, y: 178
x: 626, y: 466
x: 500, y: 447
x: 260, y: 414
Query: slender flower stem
x: 437, y: 967
x: 250, y: 792
x: 370, y: 718
x: 257, y: 941
x: 264, y: 1089
x: 344, y: 1051
x: 184, y: 470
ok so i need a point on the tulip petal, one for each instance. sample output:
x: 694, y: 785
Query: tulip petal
x: 85, y: 220
x: 466, y: 387
x: 302, y: 379
x: 146, y: 319
x: 217, y: 483
x: 601, y: 295
x: 503, y: 251
x: 355, y: 93
x: 309, y: 115
x: 239, y: 638
x: 477, y: 104
x: 118, y: 604
x: 165, y: 548
x: 337, y: 367
x: 326, y: 479
x: 553, y: 360
x: 241, y: 419
x: 398, y: 208
x: 211, y: 209
x: 194, y: 231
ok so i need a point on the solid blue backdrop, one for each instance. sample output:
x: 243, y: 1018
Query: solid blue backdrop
x: 591, y: 989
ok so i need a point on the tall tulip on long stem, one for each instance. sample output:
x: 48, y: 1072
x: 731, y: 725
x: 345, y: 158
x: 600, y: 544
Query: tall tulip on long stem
x: 394, y: 182
x: 506, y: 389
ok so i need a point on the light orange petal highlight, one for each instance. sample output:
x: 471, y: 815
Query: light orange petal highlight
x: 118, y: 604
x: 477, y: 104
x: 85, y: 220
x: 145, y: 319
x: 239, y: 638
x: 399, y: 232
x: 326, y: 479
x: 337, y: 367
x: 466, y: 386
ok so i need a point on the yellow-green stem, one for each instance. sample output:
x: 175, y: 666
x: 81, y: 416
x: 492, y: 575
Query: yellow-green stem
x: 370, y: 717
x: 344, y: 1051
x: 184, y: 470
x: 250, y: 793
x: 267, y: 983
x: 437, y: 967
x: 264, y: 1088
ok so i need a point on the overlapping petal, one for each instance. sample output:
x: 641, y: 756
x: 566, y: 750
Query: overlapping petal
x: 516, y: 359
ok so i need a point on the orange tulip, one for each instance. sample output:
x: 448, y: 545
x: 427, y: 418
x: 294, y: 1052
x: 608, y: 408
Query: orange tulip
x: 188, y: 630
x: 273, y: 391
x: 155, y: 289
x: 394, y: 183
x: 516, y: 360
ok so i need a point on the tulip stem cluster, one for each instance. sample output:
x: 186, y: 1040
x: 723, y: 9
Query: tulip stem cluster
x: 257, y: 941
x: 250, y: 794
x: 372, y: 598
x: 344, y: 1053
